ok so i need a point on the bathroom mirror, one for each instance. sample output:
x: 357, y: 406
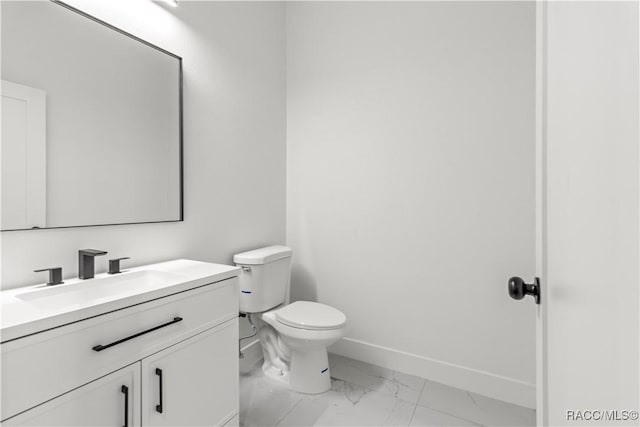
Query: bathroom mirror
x: 91, y: 122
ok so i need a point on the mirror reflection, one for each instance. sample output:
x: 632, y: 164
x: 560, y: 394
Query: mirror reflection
x: 91, y: 122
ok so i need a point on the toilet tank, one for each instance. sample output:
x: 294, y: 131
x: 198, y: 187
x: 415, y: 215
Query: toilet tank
x: 264, y: 280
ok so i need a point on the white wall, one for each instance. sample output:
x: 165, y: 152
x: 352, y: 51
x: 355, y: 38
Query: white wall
x: 410, y: 135
x: 234, y: 103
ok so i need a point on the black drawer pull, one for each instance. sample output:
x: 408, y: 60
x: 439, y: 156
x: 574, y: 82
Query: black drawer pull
x: 159, y: 374
x: 125, y: 390
x: 101, y: 347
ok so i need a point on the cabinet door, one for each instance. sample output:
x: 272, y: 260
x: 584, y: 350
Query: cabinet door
x: 113, y: 400
x: 194, y: 382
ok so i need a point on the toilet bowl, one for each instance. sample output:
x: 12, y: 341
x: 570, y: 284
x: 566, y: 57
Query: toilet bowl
x: 294, y: 337
x: 306, y: 329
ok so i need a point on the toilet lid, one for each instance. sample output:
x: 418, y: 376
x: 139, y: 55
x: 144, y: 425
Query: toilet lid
x: 311, y: 315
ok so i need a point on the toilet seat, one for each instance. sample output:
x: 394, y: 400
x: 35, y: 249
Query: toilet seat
x: 311, y: 316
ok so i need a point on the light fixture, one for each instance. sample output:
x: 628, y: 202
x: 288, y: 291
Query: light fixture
x: 172, y: 3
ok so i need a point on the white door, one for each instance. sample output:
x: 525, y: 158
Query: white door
x: 588, y: 215
x: 23, y: 155
x: 188, y: 384
x: 113, y: 400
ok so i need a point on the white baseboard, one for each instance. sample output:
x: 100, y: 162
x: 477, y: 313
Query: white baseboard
x: 492, y: 385
x: 252, y: 355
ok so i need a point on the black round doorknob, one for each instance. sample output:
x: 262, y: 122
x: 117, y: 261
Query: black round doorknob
x: 518, y: 288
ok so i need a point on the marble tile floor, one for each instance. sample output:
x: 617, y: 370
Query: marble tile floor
x: 367, y: 395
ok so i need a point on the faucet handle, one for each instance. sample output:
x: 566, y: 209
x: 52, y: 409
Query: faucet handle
x: 91, y: 252
x: 114, y: 265
x: 55, y: 275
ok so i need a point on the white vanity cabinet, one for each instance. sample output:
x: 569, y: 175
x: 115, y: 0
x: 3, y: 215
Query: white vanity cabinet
x: 194, y: 377
x: 112, y: 400
x: 171, y: 360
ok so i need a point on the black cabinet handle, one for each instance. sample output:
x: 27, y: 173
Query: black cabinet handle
x: 125, y: 390
x: 159, y: 374
x: 101, y: 347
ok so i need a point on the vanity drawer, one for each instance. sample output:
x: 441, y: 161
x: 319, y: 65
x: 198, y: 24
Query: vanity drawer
x: 42, y: 366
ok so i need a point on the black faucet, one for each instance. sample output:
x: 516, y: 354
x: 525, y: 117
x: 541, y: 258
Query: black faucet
x: 86, y: 265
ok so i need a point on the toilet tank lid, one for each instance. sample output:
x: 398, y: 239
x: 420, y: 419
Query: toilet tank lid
x: 262, y: 255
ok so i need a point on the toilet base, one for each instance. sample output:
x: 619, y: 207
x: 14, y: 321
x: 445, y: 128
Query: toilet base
x: 309, y: 371
x: 278, y: 375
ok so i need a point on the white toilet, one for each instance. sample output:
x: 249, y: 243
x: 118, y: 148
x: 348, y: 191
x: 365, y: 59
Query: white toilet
x: 294, y: 337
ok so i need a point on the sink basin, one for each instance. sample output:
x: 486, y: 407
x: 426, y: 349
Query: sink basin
x: 97, y: 290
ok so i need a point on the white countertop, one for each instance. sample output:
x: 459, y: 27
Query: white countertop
x: 29, y: 309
